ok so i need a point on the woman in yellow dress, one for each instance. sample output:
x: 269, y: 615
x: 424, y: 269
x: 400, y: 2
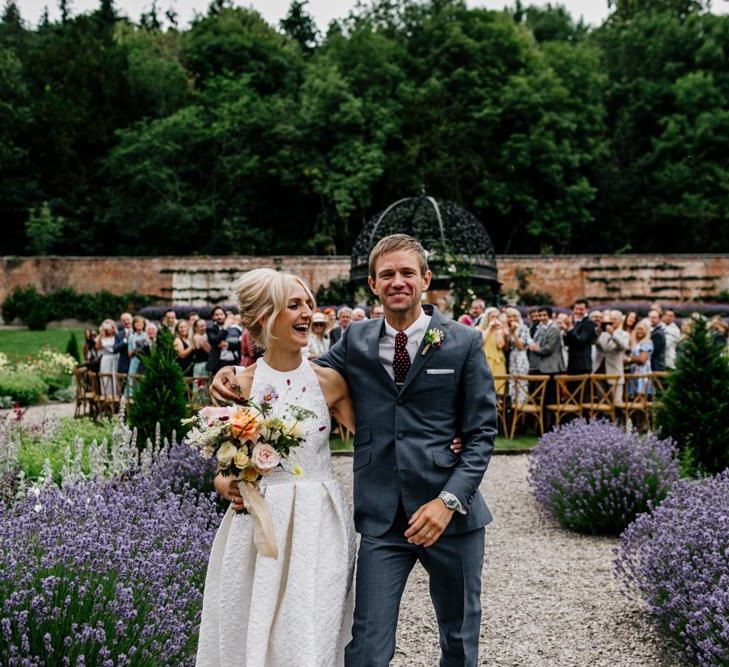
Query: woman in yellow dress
x: 494, y: 345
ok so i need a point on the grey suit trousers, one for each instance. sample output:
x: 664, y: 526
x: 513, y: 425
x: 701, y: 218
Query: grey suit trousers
x: 454, y: 565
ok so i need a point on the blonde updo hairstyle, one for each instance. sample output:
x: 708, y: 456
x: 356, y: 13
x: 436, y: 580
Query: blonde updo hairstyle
x: 262, y: 295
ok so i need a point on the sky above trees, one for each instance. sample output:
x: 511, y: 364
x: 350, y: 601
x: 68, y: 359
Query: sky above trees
x: 593, y: 11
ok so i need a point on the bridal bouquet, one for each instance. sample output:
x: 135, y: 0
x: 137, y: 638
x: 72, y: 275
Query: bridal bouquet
x: 249, y: 443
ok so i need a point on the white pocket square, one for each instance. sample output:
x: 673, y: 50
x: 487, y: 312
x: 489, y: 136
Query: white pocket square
x: 439, y: 371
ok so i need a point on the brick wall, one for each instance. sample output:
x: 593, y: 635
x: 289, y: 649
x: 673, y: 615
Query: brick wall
x: 198, y: 280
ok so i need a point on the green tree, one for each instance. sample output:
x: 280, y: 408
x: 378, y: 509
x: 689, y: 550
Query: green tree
x: 159, y: 397
x: 43, y: 229
x: 72, y: 348
x: 694, y: 406
x: 300, y: 26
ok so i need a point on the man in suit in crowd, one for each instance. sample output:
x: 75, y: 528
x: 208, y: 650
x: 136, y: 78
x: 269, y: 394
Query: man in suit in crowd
x: 121, y: 346
x: 673, y: 336
x: 658, y: 338
x: 217, y: 333
x: 579, y: 338
x: 546, y: 352
x: 344, y: 318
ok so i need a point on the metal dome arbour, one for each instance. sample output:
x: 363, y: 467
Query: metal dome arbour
x: 452, y: 236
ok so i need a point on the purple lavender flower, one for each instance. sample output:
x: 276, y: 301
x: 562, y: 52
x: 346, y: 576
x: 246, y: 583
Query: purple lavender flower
x: 594, y: 477
x: 677, y: 558
x: 107, y: 572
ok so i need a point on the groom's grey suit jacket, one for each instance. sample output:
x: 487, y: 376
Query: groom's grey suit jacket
x: 403, y: 436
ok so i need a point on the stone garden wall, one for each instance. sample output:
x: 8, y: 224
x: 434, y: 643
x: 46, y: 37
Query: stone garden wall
x: 200, y: 280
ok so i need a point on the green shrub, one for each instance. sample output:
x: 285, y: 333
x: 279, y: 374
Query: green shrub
x: 160, y: 396
x: 693, y: 409
x: 72, y: 348
x: 36, y: 310
x: 24, y: 387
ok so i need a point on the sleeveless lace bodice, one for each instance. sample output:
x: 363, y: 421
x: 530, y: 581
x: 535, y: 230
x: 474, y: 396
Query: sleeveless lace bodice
x: 300, y: 388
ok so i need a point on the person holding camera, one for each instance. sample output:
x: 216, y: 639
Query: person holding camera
x: 611, y: 346
x: 494, y: 344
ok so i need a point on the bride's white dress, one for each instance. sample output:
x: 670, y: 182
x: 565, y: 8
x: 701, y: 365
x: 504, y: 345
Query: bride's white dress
x: 295, y: 610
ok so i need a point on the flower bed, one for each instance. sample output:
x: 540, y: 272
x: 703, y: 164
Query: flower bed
x: 593, y: 477
x: 106, y: 572
x: 678, y: 558
x: 32, y: 380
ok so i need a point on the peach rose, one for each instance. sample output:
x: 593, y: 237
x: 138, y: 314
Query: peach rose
x: 244, y: 425
x: 265, y: 458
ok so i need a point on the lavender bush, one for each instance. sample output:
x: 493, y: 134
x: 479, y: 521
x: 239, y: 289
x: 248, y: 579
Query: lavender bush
x: 678, y: 558
x: 593, y: 477
x: 106, y: 573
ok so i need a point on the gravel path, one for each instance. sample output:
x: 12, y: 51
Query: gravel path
x: 549, y: 597
x: 36, y: 414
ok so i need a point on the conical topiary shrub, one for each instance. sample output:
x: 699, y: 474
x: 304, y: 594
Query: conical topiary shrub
x: 72, y: 348
x: 160, y: 394
x: 695, y: 405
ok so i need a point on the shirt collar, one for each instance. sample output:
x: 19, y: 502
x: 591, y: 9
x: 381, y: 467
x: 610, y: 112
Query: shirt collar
x: 415, y: 330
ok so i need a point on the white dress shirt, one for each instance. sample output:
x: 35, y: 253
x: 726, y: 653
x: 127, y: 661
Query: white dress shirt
x: 415, y: 333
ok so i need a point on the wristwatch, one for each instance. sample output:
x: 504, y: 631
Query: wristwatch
x: 450, y: 501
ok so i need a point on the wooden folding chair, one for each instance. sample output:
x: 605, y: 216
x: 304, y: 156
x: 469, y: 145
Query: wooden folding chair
x: 570, y: 390
x: 502, y: 401
x: 636, y: 397
x: 533, y: 403
x: 83, y: 394
x: 345, y: 435
x: 603, y: 391
x: 107, y: 393
x: 659, y: 382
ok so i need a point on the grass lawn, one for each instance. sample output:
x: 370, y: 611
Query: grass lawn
x: 519, y: 443
x: 20, y: 343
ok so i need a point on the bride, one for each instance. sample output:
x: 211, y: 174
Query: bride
x: 296, y: 609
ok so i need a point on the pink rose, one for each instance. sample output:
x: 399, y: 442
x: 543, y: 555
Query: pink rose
x: 265, y: 458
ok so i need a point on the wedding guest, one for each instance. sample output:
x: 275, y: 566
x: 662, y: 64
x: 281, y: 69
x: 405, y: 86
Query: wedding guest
x: 631, y: 319
x: 640, y: 360
x: 121, y: 347
x: 534, y: 321
x: 546, y: 349
x: 579, y: 338
x: 494, y: 344
x: 719, y: 332
x: 518, y: 360
x: 562, y: 320
x: 478, y: 307
x: 216, y: 337
x: 358, y: 314
x: 230, y: 355
x: 105, y: 343
x: 612, y: 344
x: 202, y: 348
x: 192, y: 317
x: 331, y: 316
x: 318, y: 337
x: 169, y: 321
x: 376, y: 311
x: 673, y: 337
x: 135, y: 346
x: 183, y: 347
x: 658, y: 338
x: 344, y: 317
x: 151, y: 330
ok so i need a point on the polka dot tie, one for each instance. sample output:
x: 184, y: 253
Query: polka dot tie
x: 401, y: 360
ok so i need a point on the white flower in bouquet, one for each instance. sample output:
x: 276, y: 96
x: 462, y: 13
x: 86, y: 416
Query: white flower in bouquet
x: 265, y: 457
x: 226, y: 453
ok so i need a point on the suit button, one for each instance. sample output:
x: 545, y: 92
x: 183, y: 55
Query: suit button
x: 400, y: 435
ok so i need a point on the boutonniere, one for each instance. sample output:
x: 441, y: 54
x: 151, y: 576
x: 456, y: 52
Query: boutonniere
x: 433, y: 338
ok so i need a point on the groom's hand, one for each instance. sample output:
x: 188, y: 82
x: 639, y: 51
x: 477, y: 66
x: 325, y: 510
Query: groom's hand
x: 223, y: 388
x: 428, y: 523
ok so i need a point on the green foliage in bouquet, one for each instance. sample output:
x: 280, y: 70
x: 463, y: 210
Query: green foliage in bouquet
x: 160, y: 395
x: 693, y: 409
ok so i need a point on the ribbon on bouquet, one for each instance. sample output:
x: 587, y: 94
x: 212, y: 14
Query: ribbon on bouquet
x: 264, y: 536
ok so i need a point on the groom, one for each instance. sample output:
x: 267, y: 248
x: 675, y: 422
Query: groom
x: 416, y: 379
